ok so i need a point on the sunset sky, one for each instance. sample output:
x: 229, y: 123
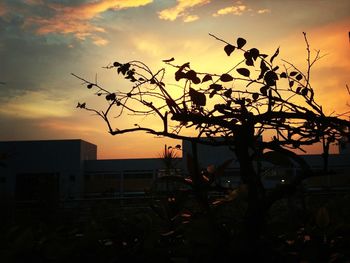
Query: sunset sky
x: 43, y: 41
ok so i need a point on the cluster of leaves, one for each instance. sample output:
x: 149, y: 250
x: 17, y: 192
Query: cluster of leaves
x: 125, y: 70
x: 267, y: 78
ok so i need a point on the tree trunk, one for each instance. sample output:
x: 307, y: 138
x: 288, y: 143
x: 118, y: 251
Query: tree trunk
x: 255, y: 214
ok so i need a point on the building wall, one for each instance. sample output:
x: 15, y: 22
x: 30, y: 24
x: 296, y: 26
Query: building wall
x: 69, y: 169
x: 57, y: 164
x: 209, y: 155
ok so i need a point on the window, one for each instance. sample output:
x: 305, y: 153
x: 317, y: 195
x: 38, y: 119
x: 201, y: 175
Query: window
x: 102, y: 176
x: 138, y: 174
x: 37, y: 186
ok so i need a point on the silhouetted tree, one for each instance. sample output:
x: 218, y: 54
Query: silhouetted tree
x: 255, y: 96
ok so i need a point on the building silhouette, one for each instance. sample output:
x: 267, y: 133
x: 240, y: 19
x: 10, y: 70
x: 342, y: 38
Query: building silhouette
x: 55, y: 170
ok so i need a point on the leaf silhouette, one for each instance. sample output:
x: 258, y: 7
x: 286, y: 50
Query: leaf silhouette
x: 215, y: 87
x: 275, y: 54
x: 179, y: 75
x: 283, y: 75
x: 304, y: 91
x: 226, y: 77
x: 293, y: 73
x: 299, y: 77
x: 254, y: 53
x: 263, y: 90
x: 249, y: 59
x: 263, y: 69
x: 186, y: 65
x: 196, y: 80
x: 241, y: 42
x: 212, y: 94
x: 197, y: 98
x: 110, y: 96
x: 229, y: 49
x: 123, y: 68
x: 82, y: 105
x: 228, y: 93
x: 243, y: 71
x: 207, y: 77
x: 270, y: 78
x: 249, y: 62
x: 255, y: 96
x: 169, y: 60
x: 192, y: 75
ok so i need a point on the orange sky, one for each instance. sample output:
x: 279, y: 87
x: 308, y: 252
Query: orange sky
x: 42, y: 42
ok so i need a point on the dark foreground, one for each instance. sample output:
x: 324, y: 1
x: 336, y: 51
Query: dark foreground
x: 110, y: 231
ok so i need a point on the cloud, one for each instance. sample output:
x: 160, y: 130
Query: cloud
x: 35, y: 105
x: 30, y: 63
x: 191, y: 18
x: 238, y: 9
x: 263, y: 11
x: 99, y: 41
x: 65, y: 125
x: 181, y: 9
x: 235, y: 10
x: 77, y: 19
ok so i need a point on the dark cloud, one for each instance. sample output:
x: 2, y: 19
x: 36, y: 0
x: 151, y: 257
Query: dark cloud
x: 14, y: 128
x: 23, y: 9
x: 29, y: 62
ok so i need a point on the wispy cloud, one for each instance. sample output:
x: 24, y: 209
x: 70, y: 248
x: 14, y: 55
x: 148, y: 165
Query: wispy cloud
x: 181, y: 9
x: 35, y: 105
x: 238, y: 9
x: 235, y: 10
x: 65, y: 125
x: 77, y: 19
x: 263, y: 11
x: 191, y: 18
x: 33, y: 2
